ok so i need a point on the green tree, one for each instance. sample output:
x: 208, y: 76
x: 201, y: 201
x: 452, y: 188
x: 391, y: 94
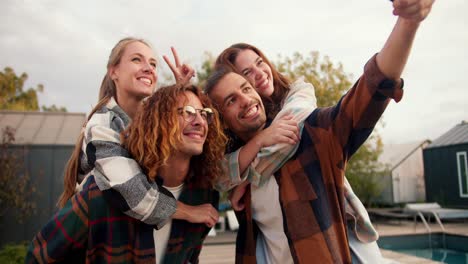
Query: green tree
x: 207, y: 68
x: 15, y: 188
x: 13, y: 96
x: 54, y: 108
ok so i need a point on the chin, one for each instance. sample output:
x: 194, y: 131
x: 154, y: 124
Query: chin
x: 196, y: 151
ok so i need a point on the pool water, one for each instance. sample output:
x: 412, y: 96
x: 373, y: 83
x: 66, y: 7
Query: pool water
x: 438, y: 254
x: 447, y: 248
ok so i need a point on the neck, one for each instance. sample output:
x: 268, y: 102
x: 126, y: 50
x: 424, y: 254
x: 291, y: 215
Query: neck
x: 248, y: 135
x: 129, y: 104
x: 175, y: 171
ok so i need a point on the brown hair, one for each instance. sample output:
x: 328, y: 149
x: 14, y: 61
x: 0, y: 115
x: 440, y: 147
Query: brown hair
x: 153, y: 135
x: 281, y: 83
x: 106, y: 92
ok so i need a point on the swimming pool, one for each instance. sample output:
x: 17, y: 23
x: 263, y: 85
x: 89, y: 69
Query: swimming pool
x: 447, y: 248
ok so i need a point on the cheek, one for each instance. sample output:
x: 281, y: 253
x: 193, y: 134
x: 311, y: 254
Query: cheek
x: 251, y: 79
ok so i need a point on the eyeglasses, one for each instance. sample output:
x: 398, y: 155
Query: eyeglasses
x: 189, y: 113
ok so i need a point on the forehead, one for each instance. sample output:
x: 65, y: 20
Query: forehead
x: 140, y: 48
x: 246, y: 56
x: 229, y: 84
x: 189, y: 98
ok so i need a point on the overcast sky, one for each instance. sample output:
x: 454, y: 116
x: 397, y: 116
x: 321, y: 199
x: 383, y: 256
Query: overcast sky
x: 64, y: 45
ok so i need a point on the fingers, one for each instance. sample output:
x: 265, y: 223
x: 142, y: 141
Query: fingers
x: 176, y: 56
x: 412, y: 9
x: 237, y: 203
x: 187, y: 74
x: 236, y: 200
x: 187, y: 70
x: 212, y: 216
x: 169, y: 63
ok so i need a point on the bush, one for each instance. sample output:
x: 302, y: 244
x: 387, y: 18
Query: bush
x: 13, y: 253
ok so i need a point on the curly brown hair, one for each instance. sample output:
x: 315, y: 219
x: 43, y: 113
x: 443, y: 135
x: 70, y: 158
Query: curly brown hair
x: 154, y: 134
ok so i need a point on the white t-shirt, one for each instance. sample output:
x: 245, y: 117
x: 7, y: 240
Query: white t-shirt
x: 161, y: 236
x: 272, y: 243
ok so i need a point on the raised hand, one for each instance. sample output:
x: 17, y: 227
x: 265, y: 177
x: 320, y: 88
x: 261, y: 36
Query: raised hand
x: 415, y: 10
x: 182, y: 72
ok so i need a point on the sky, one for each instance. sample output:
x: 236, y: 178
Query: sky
x: 64, y: 45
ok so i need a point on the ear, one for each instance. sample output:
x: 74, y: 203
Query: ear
x: 113, y: 73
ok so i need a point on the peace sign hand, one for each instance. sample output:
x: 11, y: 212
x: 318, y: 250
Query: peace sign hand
x: 182, y: 72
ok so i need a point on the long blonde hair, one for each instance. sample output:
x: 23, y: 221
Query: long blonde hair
x: 106, y: 92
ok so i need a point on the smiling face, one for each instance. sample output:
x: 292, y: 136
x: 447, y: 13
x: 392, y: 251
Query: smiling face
x: 256, y: 70
x: 240, y: 105
x: 135, y: 75
x: 194, y: 132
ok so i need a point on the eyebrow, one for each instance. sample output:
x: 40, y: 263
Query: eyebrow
x: 245, y: 83
x: 255, y: 62
x: 142, y: 56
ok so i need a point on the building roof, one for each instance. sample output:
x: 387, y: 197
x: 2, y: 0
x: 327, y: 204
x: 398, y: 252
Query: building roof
x: 43, y: 128
x: 456, y: 135
x: 395, y: 154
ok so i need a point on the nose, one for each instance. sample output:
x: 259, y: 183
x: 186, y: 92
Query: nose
x: 198, y: 120
x: 258, y: 73
x: 148, y: 68
x: 244, y: 100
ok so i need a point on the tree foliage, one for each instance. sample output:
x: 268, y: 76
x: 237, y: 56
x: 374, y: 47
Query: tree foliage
x: 331, y: 82
x: 15, y: 188
x: 13, y: 96
x: 54, y: 108
x: 207, y: 68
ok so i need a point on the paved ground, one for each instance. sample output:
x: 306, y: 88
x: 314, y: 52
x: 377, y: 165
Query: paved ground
x: 220, y: 249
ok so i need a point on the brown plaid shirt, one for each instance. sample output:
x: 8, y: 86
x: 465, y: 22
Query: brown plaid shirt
x: 311, y: 183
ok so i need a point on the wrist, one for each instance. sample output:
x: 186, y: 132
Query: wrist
x: 182, y: 211
x: 409, y: 24
x: 258, y: 141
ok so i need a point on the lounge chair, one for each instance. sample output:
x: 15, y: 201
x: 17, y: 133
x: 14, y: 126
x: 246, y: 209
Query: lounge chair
x: 434, y: 209
x: 431, y: 209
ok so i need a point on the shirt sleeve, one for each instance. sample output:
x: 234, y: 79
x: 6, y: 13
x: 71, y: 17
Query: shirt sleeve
x: 299, y: 103
x: 231, y: 176
x: 120, y: 178
x: 353, y: 118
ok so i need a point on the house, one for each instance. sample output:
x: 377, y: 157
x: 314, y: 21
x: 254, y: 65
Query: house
x: 43, y: 144
x: 403, y: 180
x: 446, y: 168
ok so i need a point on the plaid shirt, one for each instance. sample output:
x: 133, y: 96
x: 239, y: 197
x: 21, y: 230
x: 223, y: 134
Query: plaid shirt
x: 88, y: 229
x: 312, y: 184
x: 300, y: 102
x: 117, y: 175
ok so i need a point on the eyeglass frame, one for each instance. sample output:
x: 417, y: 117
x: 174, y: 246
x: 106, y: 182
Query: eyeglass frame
x: 192, y: 115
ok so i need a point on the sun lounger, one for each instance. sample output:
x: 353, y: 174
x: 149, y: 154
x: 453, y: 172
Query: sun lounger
x: 434, y: 209
x: 430, y: 209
